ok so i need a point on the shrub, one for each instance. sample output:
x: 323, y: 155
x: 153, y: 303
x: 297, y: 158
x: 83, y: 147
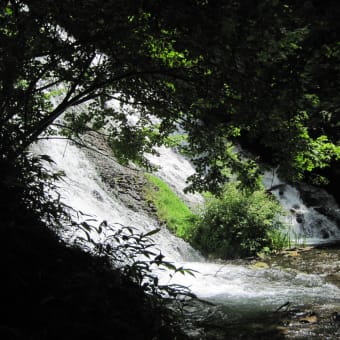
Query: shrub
x: 236, y: 224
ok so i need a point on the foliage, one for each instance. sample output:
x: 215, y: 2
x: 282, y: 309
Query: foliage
x: 45, y: 52
x: 263, y: 72
x: 134, y: 254
x: 267, y: 68
x: 51, y: 290
x: 320, y: 154
x: 100, y: 281
x: 170, y: 208
x: 28, y: 187
x: 176, y: 141
x: 279, y: 239
x: 239, y: 223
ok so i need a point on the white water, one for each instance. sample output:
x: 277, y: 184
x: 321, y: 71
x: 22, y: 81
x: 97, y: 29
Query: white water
x: 234, y: 286
x: 83, y: 190
x: 174, y: 169
x: 305, y: 223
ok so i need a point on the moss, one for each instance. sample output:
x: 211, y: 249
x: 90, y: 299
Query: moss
x: 170, y: 208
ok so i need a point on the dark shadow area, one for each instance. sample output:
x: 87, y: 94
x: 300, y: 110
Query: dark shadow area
x: 52, y: 291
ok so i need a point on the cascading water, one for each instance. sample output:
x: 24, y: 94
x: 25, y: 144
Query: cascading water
x: 174, y: 170
x: 239, y: 288
x: 304, y: 223
x: 82, y: 189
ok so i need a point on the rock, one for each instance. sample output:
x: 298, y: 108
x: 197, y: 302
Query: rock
x: 300, y: 218
x: 282, y: 330
x: 291, y: 253
x: 97, y: 195
x: 320, y: 200
x: 124, y: 182
x: 324, y: 233
x: 260, y: 265
x: 312, y: 318
x: 336, y: 317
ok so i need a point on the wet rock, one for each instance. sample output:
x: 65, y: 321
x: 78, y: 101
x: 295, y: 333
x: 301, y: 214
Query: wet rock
x: 124, y: 182
x: 300, y: 218
x: 97, y: 195
x: 320, y: 200
x: 324, y: 233
x: 309, y: 318
x: 260, y: 265
x: 291, y: 253
x: 336, y: 317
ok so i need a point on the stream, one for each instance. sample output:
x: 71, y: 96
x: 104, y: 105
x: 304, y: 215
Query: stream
x: 237, y: 299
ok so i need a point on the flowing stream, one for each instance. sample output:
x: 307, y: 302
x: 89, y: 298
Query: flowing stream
x: 241, y: 289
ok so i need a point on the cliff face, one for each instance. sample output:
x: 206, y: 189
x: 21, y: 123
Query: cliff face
x: 321, y: 201
x: 124, y: 182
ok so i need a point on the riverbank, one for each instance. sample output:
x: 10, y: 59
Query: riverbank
x: 315, y: 321
x: 290, y: 320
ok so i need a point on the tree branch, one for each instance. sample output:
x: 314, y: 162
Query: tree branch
x: 76, y: 100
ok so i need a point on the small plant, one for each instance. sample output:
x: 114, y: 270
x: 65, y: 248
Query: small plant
x: 279, y: 239
x: 298, y: 240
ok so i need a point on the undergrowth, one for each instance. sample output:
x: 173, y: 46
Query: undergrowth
x: 239, y: 223
x: 55, y: 290
x: 170, y: 208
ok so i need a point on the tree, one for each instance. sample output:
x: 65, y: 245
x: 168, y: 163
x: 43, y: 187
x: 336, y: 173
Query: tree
x: 273, y: 71
x: 259, y: 72
x: 40, y: 59
x: 234, y: 71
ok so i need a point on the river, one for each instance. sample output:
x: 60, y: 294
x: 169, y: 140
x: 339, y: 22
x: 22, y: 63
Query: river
x: 241, y: 296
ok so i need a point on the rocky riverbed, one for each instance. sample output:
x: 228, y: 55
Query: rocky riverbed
x: 290, y: 320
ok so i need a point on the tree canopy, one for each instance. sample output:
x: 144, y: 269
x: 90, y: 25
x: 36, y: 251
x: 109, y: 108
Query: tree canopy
x: 263, y: 73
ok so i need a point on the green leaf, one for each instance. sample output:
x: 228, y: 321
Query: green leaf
x: 152, y: 232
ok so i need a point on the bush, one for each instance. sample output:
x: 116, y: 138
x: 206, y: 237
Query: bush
x: 236, y: 224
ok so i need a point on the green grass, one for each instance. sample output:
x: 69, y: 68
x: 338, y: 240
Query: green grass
x: 170, y: 208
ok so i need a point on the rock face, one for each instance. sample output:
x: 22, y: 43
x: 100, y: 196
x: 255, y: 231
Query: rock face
x: 321, y: 201
x: 125, y: 182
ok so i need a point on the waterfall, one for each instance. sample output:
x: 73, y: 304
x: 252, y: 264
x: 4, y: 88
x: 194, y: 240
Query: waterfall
x: 304, y: 222
x: 226, y: 283
x: 83, y: 190
x: 174, y: 169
